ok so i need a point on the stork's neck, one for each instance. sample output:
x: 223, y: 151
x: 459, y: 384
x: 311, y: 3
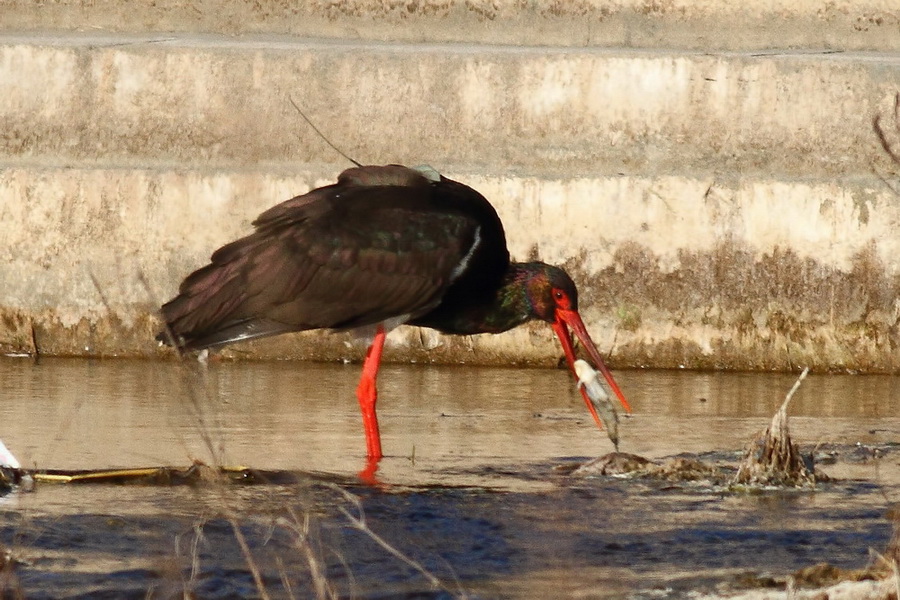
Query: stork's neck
x: 502, y: 309
x: 512, y: 304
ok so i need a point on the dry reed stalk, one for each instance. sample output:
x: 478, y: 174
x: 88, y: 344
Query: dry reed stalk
x: 10, y: 586
x: 201, y: 396
x: 358, y: 521
x: 301, y: 529
x: 773, y: 458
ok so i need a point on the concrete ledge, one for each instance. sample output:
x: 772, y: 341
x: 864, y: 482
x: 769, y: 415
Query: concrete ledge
x: 689, y: 24
x: 216, y: 102
x: 673, y: 271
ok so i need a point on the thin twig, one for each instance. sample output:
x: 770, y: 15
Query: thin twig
x: 285, y: 582
x: 886, y: 144
x: 887, y: 183
x: 248, y: 558
x: 790, y: 394
x: 882, y: 137
x: 190, y: 377
x: 167, y: 331
x: 301, y: 529
x: 9, y: 579
x: 35, y: 350
x: 896, y: 578
x: 876, y: 124
x: 358, y: 521
x: 195, y: 552
x: 320, y: 134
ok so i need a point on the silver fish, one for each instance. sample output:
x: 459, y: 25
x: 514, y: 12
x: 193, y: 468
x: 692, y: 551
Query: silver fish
x: 589, y: 381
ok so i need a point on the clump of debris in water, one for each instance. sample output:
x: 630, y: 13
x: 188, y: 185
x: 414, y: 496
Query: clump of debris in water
x: 773, y: 459
x: 770, y: 460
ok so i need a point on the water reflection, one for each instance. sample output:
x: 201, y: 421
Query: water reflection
x: 723, y: 394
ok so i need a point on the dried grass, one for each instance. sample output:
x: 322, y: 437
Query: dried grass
x: 300, y: 524
x: 10, y: 585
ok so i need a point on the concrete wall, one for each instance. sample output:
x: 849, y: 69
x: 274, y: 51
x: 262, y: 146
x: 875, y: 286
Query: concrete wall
x: 691, y: 24
x: 719, y: 206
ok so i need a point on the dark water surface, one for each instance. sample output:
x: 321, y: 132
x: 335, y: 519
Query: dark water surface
x: 470, y: 493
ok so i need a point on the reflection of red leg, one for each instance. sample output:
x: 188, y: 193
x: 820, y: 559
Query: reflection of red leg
x: 367, y: 475
x: 368, y: 394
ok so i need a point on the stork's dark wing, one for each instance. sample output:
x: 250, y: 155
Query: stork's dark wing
x: 347, y: 255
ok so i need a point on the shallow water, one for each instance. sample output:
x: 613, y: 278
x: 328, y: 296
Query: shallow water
x: 469, y: 487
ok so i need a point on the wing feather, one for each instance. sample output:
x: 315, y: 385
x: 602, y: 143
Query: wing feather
x: 374, y: 246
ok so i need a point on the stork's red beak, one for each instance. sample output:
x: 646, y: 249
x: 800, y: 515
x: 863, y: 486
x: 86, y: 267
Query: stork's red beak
x: 573, y: 319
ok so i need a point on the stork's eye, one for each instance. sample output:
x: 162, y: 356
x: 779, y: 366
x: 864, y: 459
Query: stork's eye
x: 561, y: 298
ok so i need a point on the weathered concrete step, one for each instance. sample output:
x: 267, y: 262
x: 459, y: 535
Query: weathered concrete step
x: 224, y: 102
x: 741, y: 273
x: 697, y: 24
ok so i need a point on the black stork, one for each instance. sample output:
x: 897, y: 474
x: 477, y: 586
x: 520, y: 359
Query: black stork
x: 383, y: 246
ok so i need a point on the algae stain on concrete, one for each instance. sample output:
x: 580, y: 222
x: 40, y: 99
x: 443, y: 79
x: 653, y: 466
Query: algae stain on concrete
x: 728, y: 307
x: 731, y: 307
x: 629, y: 317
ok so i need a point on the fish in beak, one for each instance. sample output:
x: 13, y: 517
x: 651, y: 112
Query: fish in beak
x: 565, y: 319
x: 589, y: 383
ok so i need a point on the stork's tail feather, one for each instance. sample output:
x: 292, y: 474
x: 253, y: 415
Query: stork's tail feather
x: 248, y: 329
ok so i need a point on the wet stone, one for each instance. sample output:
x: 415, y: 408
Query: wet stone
x: 675, y: 469
x: 614, y: 463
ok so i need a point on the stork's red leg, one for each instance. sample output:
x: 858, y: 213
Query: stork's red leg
x: 367, y: 394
